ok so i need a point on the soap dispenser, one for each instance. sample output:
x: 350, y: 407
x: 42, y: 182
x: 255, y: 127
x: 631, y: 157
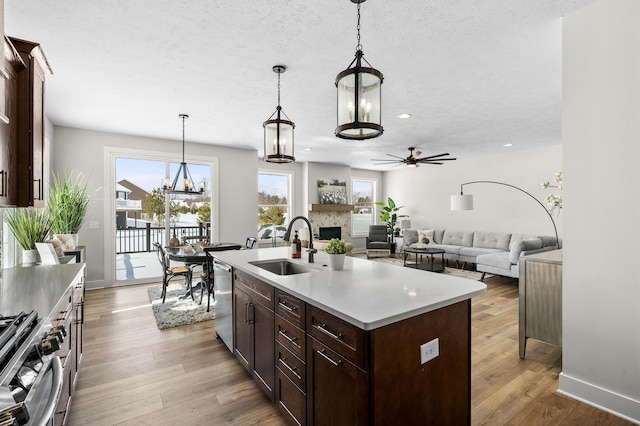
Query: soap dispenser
x: 296, y: 247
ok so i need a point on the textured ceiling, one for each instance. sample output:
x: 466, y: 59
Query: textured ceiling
x: 474, y: 74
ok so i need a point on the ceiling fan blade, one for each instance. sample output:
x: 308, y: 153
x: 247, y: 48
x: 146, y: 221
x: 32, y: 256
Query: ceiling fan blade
x: 435, y: 156
x: 386, y: 160
x: 386, y: 163
x: 395, y: 156
x: 415, y: 155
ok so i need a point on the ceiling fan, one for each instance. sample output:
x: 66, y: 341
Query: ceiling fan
x: 413, y: 160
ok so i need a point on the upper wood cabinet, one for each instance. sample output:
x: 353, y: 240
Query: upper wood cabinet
x: 12, y: 67
x: 29, y: 124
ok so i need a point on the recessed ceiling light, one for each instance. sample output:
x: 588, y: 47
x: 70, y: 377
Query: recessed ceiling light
x: 508, y: 144
x: 307, y: 149
x: 405, y: 115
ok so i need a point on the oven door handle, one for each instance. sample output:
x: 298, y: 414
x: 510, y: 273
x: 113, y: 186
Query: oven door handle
x: 56, y: 390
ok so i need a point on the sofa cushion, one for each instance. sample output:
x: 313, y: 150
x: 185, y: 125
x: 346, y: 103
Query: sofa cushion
x: 548, y: 241
x: 449, y: 249
x: 457, y: 238
x: 469, y: 254
x: 410, y: 236
x: 496, y: 260
x: 492, y: 240
x: 523, y: 245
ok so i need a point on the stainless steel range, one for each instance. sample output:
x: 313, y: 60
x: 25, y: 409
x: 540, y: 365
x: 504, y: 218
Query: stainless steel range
x: 31, y: 377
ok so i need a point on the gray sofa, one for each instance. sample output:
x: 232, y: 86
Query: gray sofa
x: 492, y: 252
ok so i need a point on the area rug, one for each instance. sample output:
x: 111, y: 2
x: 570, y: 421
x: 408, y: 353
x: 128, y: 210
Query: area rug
x: 473, y: 275
x: 176, y: 311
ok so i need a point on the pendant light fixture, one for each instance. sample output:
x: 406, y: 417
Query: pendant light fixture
x: 278, y: 132
x: 187, y: 181
x: 359, y: 97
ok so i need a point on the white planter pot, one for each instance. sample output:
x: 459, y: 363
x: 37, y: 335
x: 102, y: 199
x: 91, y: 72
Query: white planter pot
x: 30, y: 257
x: 336, y: 261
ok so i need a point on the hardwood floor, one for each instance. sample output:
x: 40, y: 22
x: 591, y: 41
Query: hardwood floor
x: 134, y: 374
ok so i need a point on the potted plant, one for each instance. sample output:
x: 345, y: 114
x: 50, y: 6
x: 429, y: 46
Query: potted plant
x: 29, y: 226
x: 336, y: 249
x: 389, y: 215
x: 67, y: 204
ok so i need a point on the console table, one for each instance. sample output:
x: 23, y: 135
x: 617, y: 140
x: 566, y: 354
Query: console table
x: 540, y: 298
x: 77, y: 252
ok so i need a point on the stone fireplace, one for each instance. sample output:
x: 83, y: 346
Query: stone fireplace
x: 331, y: 216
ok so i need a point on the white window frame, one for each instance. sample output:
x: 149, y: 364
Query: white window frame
x: 289, y: 204
x: 373, y: 221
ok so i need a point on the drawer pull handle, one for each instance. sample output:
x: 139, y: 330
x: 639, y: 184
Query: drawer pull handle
x: 328, y: 333
x: 284, y: 305
x: 291, y: 340
x: 323, y: 354
x: 290, y: 368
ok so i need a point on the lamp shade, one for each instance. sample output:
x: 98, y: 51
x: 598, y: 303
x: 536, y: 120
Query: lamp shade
x: 405, y: 224
x: 462, y: 202
x: 278, y: 140
x: 359, y: 102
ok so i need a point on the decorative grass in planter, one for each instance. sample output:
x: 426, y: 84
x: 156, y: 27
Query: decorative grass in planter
x: 67, y: 203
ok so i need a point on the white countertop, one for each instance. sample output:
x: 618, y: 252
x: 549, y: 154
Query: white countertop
x: 366, y: 294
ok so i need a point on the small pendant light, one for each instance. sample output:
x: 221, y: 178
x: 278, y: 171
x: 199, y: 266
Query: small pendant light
x: 278, y: 132
x: 359, y: 97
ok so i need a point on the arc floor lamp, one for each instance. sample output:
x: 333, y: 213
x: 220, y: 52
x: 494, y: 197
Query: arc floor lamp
x: 465, y: 202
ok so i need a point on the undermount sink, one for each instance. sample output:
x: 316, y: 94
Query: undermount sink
x: 282, y: 267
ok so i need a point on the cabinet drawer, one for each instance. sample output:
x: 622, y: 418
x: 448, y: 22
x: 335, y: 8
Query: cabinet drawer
x: 291, y: 337
x: 291, y: 366
x: 291, y: 308
x: 259, y: 291
x: 291, y: 400
x: 344, y: 338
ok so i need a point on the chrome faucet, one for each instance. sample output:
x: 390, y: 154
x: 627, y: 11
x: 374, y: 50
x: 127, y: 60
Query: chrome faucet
x: 287, y: 234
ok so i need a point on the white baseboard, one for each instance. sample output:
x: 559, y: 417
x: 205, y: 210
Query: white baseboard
x: 603, y: 399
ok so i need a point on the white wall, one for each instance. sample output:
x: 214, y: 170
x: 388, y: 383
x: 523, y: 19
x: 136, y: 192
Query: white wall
x: 425, y: 192
x: 601, y: 131
x: 83, y: 151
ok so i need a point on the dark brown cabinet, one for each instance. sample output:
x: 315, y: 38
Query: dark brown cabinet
x: 12, y: 66
x: 29, y: 124
x: 291, y: 367
x: 253, y: 329
x: 327, y: 371
x: 70, y: 314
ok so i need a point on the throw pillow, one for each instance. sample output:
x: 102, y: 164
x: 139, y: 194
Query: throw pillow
x: 425, y: 235
x: 410, y: 236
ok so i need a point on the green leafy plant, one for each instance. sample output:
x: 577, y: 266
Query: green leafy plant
x: 336, y: 246
x: 29, y: 226
x: 389, y: 215
x: 67, y: 203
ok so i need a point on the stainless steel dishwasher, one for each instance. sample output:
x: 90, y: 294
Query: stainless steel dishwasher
x: 224, y: 302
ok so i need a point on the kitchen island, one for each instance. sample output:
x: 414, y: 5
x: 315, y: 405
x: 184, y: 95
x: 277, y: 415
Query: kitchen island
x: 371, y: 344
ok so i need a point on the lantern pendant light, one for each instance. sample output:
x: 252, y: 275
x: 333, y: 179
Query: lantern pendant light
x: 278, y: 132
x: 183, y: 171
x: 359, y: 97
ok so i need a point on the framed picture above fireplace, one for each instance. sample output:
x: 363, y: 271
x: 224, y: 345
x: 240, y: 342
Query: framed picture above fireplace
x: 332, y: 191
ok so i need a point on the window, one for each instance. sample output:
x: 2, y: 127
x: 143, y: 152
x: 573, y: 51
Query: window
x: 274, y: 205
x: 363, y: 196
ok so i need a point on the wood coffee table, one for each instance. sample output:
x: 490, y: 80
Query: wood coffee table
x: 429, y: 252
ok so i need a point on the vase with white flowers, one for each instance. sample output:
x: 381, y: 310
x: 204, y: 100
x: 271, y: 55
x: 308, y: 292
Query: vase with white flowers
x: 337, y: 250
x: 554, y: 202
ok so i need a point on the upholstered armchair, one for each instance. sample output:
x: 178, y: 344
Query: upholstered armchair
x: 378, y: 240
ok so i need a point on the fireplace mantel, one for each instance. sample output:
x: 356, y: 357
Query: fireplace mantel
x: 330, y: 207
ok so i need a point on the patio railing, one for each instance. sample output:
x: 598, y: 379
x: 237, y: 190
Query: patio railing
x: 140, y: 240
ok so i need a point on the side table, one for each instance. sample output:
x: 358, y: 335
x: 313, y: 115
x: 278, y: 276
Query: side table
x: 540, y: 288
x: 78, y: 253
